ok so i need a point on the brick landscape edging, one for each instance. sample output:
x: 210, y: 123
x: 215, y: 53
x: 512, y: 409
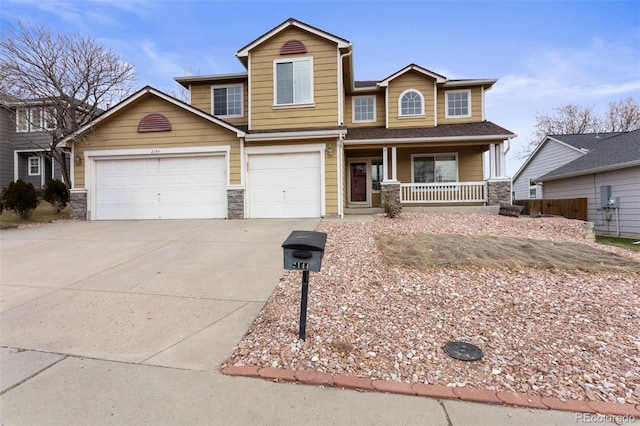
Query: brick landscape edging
x: 312, y: 377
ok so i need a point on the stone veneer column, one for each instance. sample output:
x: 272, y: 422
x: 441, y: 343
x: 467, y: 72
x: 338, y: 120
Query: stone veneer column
x: 498, y: 191
x: 78, y: 203
x: 235, y: 203
x: 390, y: 192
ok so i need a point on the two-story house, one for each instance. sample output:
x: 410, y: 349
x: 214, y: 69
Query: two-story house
x: 294, y: 135
x: 25, y: 142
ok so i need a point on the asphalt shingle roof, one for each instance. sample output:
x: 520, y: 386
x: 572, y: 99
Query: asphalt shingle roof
x: 483, y: 128
x: 616, y: 149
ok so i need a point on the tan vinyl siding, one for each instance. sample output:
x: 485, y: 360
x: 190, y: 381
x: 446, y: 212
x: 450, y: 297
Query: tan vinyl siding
x: 187, y: 129
x: 201, y: 99
x: 380, y: 112
x: 476, y: 106
x: 419, y: 82
x: 323, y: 112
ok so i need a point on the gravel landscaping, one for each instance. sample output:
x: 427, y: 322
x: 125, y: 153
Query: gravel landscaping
x: 545, y: 330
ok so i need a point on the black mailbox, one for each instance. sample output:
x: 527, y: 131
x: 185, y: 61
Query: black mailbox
x: 303, y: 250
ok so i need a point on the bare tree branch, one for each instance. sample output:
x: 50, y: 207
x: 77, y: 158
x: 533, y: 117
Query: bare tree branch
x: 70, y: 75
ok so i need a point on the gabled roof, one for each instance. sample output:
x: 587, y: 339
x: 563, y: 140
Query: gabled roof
x: 413, y: 67
x: 243, y: 53
x: 480, y: 131
x: 581, y: 143
x: 140, y: 94
x: 606, y: 153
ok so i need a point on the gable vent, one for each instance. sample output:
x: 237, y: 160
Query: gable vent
x: 293, y: 46
x: 154, y: 123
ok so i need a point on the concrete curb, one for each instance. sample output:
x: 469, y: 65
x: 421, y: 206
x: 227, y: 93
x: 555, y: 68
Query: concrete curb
x: 312, y: 377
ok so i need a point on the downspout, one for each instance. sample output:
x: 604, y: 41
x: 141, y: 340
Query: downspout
x: 340, y: 175
x: 341, y: 88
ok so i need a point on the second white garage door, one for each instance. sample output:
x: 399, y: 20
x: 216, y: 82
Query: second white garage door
x: 285, y: 185
x: 161, y: 188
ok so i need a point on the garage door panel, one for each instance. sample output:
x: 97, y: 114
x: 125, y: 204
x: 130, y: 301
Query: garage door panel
x: 285, y: 185
x: 161, y: 188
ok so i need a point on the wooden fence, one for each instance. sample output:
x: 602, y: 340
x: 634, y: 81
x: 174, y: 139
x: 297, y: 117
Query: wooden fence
x: 573, y: 208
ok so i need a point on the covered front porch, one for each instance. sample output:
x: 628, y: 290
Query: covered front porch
x: 421, y: 175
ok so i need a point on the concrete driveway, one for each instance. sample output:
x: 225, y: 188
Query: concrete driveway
x: 177, y: 294
x: 126, y: 323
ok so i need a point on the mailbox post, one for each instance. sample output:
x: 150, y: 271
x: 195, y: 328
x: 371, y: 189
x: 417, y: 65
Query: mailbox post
x: 303, y: 251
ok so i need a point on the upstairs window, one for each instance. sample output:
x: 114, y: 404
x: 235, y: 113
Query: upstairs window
x: 411, y: 103
x: 34, y: 166
x: 434, y: 168
x: 458, y: 104
x: 293, y: 81
x: 364, y: 109
x: 227, y: 101
x: 22, y: 120
x: 34, y: 119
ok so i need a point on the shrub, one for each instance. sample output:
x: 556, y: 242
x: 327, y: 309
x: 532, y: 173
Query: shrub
x: 20, y: 197
x: 56, y: 194
x: 391, y: 209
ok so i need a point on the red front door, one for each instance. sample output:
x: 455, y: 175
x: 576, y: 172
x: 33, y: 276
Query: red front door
x: 358, y: 182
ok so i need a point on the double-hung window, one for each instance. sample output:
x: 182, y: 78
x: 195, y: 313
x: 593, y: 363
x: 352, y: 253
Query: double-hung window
x: 22, y: 120
x: 227, y: 101
x: 34, y: 166
x: 458, y: 103
x: 364, y: 109
x: 293, y: 81
x: 411, y: 103
x: 428, y: 168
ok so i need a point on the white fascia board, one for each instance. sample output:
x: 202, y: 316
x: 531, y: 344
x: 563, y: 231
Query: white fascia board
x: 291, y: 23
x: 313, y: 134
x: 591, y: 171
x: 390, y: 141
x: 138, y: 95
x: 437, y: 77
x: 479, y: 82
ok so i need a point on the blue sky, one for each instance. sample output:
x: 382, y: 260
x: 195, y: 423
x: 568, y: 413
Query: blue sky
x: 544, y: 54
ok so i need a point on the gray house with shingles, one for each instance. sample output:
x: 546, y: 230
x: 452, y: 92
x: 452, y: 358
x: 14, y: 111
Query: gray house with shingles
x: 24, y: 143
x: 600, y: 167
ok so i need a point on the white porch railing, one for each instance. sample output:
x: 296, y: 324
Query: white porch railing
x: 450, y: 192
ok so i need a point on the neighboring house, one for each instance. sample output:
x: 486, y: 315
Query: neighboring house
x: 295, y: 135
x: 25, y: 143
x: 603, y: 167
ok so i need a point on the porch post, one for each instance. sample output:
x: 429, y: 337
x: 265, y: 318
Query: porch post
x: 492, y: 161
x: 503, y: 161
x: 394, y: 164
x: 385, y: 165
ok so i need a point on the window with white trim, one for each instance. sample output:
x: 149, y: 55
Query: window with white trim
x: 377, y: 174
x: 34, y: 166
x: 411, y: 103
x: 34, y: 119
x: 22, y: 120
x: 458, y: 103
x: 533, y: 189
x: 434, y: 168
x: 293, y: 81
x: 227, y: 101
x: 364, y: 109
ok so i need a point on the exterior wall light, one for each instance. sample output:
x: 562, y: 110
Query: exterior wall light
x: 77, y: 159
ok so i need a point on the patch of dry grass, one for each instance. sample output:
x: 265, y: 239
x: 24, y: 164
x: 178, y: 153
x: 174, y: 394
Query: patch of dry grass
x: 450, y: 251
x: 43, y: 214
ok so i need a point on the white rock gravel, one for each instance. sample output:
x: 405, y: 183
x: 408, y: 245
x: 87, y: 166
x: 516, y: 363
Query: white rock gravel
x: 564, y: 334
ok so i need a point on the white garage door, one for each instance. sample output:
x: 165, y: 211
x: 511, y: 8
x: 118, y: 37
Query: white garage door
x: 161, y: 188
x: 284, y: 185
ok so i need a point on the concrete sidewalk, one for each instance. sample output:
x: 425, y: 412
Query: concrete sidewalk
x: 127, y: 323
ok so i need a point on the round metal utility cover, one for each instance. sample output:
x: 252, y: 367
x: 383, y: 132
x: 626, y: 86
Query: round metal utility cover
x: 463, y: 351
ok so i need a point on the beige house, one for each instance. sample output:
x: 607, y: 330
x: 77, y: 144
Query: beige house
x: 295, y: 135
